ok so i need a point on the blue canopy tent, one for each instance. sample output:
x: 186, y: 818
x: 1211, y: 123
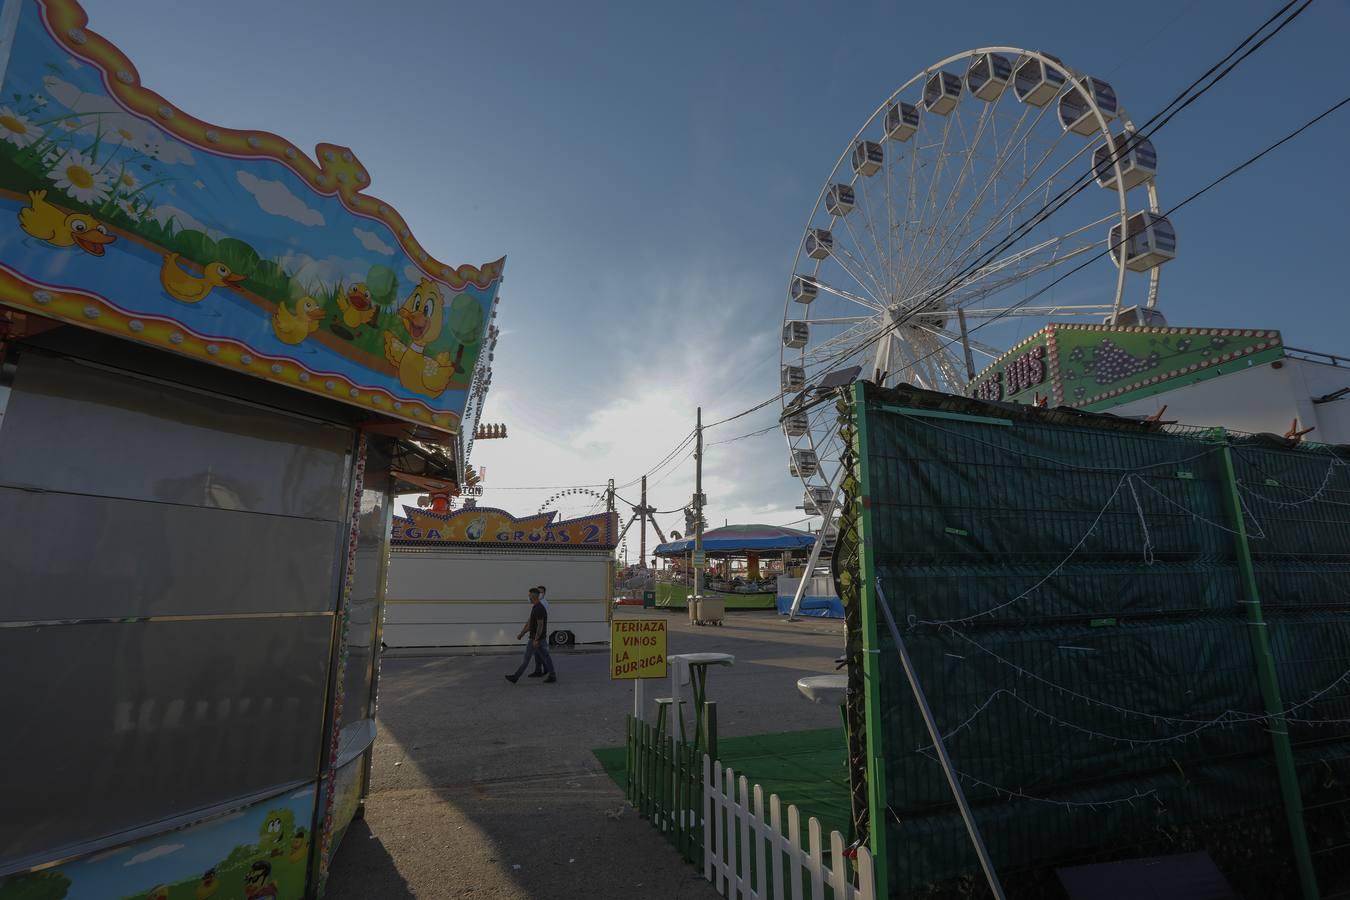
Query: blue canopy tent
x: 740, y: 538
x: 737, y: 540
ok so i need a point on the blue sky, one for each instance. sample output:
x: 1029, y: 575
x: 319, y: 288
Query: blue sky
x: 647, y: 169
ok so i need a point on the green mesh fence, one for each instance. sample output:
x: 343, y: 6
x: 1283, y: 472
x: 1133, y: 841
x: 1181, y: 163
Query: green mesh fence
x: 1068, y: 588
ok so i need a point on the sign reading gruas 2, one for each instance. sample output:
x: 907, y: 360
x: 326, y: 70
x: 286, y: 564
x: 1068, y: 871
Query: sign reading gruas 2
x: 481, y: 525
x: 123, y: 214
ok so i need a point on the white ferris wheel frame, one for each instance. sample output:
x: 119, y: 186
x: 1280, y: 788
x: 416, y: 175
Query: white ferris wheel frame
x: 889, y: 360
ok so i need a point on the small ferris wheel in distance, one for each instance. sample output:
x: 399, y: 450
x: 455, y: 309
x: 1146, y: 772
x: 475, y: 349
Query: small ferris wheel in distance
x: 934, y: 241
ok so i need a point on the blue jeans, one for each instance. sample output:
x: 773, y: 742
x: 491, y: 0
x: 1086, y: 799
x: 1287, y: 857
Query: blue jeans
x: 541, y: 651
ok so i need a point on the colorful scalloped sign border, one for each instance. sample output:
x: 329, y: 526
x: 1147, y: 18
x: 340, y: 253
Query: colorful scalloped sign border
x: 336, y: 172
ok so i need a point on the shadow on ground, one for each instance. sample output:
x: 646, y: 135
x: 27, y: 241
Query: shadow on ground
x: 482, y: 788
x: 366, y: 868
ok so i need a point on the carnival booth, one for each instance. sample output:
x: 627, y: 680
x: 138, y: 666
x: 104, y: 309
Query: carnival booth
x: 744, y: 562
x: 201, y: 433
x: 461, y: 579
x: 1242, y: 378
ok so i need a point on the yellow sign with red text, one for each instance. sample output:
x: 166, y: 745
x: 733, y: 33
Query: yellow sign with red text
x: 637, y: 648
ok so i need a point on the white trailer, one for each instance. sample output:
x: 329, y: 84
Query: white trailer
x: 477, y: 597
x: 1302, y: 390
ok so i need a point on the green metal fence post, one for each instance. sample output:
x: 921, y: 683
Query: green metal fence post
x: 628, y: 758
x: 1270, y: 686
x: 708, y: 738
x: 876, y: 762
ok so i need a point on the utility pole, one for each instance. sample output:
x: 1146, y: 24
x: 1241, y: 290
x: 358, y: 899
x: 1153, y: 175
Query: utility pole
x: 642, y: 555
x: 698, y: 504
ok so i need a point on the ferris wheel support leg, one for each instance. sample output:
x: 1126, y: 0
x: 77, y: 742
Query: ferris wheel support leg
x: 813, y: 558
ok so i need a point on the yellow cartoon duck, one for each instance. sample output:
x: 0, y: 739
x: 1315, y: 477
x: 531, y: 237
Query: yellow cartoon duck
x: 299, y: 846
x: 422, y: 314
x: 189, y: 288
x: 357, y: 306
x: 47, y: 223
x: 294, y: 327
x: 209, y: 885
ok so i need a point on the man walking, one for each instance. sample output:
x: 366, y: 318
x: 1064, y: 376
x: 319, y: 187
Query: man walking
x: 539, y: 655
x: 537, y: 628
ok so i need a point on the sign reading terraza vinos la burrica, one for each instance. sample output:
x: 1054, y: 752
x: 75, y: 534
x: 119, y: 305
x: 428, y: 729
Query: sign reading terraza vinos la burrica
x: 637, y: 648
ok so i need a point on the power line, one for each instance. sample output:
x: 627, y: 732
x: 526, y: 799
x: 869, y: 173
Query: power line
x: 1222, y: 178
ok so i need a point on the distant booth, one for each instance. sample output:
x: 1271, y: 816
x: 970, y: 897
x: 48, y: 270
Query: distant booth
x: 461, y: 578
x: 744, y: 565
x: 199, y: 451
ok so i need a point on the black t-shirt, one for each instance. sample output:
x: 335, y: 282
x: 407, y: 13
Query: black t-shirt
x: 538, y: 622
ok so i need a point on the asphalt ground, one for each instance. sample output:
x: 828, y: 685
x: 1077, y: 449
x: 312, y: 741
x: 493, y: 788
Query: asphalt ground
x: 481, y: 788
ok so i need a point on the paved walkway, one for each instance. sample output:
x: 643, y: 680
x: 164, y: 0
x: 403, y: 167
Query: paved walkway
x: 486, y: 789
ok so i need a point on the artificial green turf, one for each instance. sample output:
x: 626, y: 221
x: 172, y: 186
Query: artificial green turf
x: 805, y: 768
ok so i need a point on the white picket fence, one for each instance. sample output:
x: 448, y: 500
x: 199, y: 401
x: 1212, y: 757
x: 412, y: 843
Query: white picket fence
x: 771, y: 865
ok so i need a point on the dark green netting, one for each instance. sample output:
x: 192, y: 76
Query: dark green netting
x: 1067, y: 586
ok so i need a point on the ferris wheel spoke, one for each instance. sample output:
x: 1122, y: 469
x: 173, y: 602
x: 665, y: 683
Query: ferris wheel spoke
x: 1012, y: 204
x: 988, y: 115
x: 975, y: 345
x: 1051, y: 245
x: 972, y: 292
x: 935, y: 177
x: 1014, y: 142
x: 856, y: 271
x: 836, y: 347
x: 861, y: 259
x: 886, y: 260
x: 1038, y: 312
x: 969, y: 155
x: 848, y: 295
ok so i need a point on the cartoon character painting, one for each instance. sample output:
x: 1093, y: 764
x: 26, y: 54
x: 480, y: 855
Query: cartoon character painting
x: 294, y: 327
x: 357, y: 305
x: 208, y: 886
x: 299, y: 847
x: 47, y: 223
x: 272, y: 836
x: 188, y: 288
x: 423, y: 315
x: 258, y: 881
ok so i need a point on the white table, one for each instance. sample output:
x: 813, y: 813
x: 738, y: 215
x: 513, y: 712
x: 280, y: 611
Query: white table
x: 692, y: 669
x: 824, y: 688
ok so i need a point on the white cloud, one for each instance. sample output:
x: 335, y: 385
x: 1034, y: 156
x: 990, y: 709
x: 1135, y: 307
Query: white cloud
x: 371, y: 241
x: 413, y: 274
x: 184, y: 220
x: 277, y: 199
x: 153, y: 853
x: 329, y: 269
x: 74, y: 63
x: 99, y: 113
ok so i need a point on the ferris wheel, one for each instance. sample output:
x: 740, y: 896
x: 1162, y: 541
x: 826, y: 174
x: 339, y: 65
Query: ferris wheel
x: 935, y: 240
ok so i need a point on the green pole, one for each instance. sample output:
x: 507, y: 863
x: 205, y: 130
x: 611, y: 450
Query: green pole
x: 872, y: 700
x: 1270, y: 686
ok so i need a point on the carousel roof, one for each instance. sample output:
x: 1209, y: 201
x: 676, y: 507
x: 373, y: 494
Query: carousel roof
x: 734, y: 538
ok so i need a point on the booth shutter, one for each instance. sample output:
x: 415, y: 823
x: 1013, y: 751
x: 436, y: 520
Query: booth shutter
x: 170, y: 570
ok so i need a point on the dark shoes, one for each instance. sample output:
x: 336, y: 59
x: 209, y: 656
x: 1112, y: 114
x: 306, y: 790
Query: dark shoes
x: 550, y: 679
x: 535, y: 675
x: 513, y: 678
